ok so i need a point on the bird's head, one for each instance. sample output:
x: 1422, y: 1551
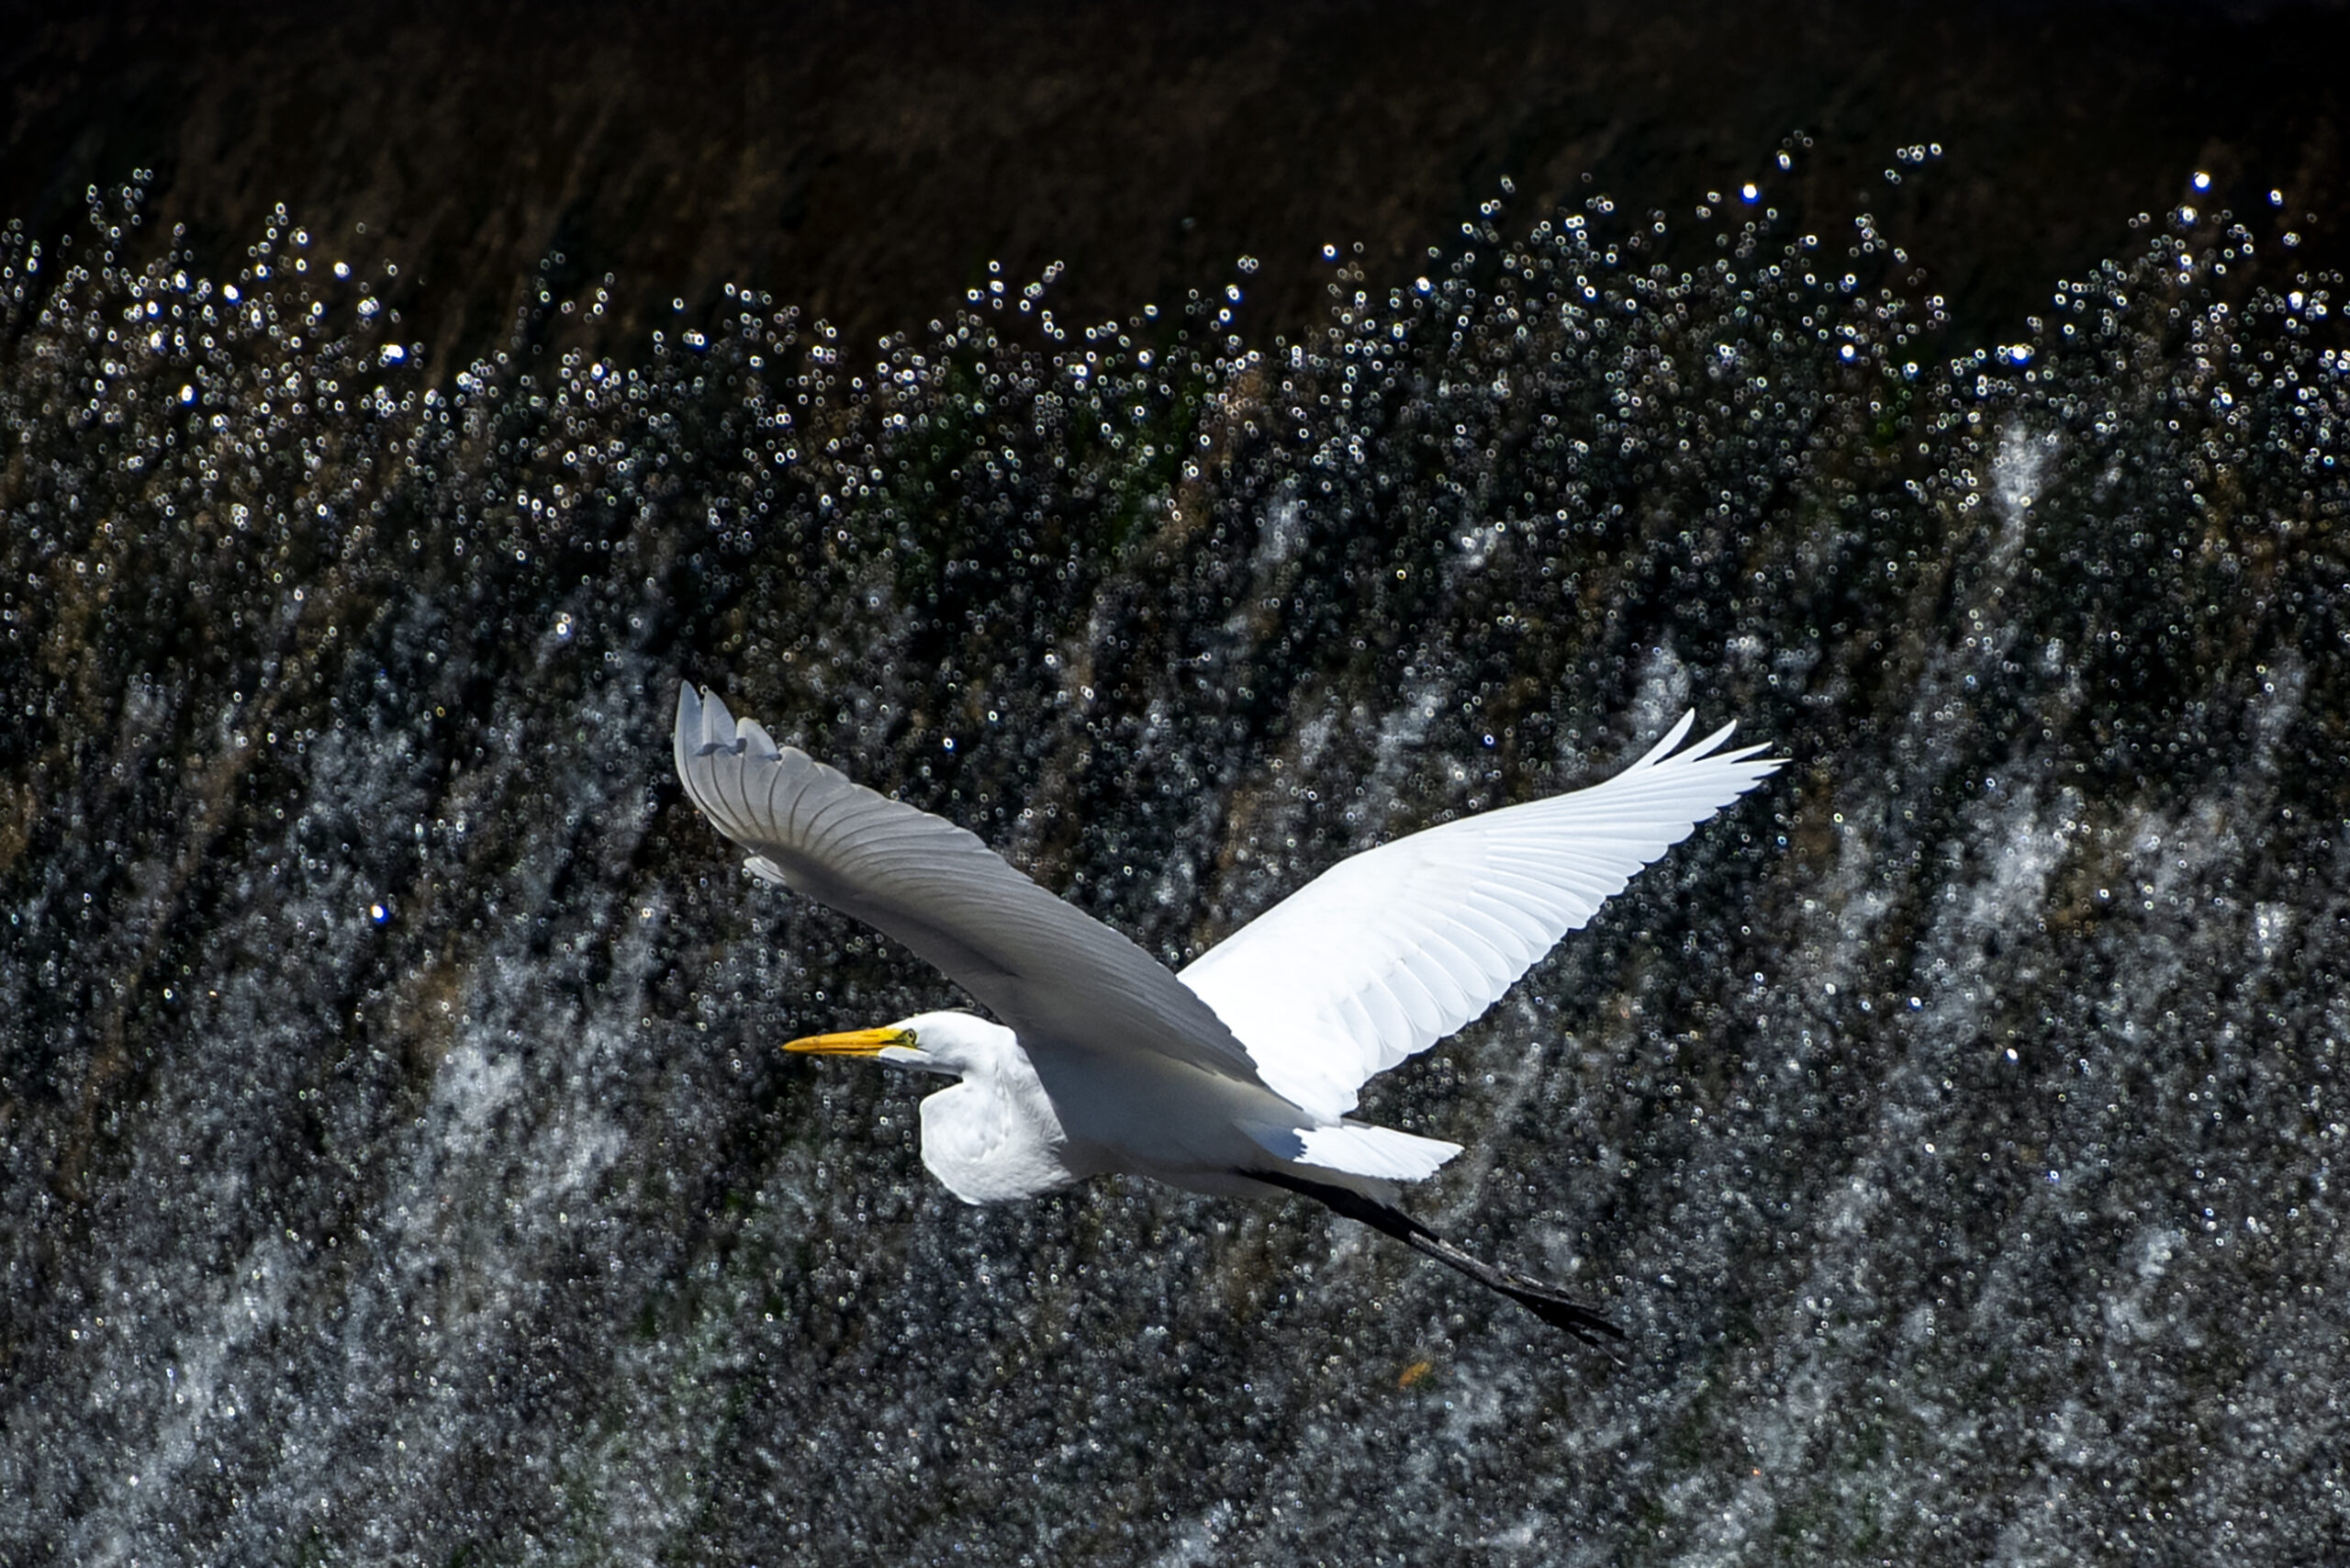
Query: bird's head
x: 954, y: 1043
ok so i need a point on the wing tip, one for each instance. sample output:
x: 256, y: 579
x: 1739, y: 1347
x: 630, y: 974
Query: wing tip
x: 707, y: 733
x: 1708, y: 750
x: 701, y: 712
x: 688, y: 722
x: 705, y: 725
x: 1672, y: 737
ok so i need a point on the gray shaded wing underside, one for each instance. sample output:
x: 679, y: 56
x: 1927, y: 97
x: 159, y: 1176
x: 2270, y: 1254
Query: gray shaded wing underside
x: 1055, y: 975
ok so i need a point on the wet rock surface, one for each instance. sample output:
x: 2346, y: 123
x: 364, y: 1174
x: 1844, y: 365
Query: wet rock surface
x: 398, y: 1163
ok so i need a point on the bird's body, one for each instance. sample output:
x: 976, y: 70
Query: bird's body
x: 1238, y: 1075
x: 998, y: 1134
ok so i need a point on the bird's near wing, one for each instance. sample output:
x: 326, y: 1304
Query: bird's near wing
x: 1387, y: 953
x: 1049, y: 969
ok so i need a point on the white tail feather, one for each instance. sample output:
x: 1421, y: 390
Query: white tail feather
x: 1360, y: 1149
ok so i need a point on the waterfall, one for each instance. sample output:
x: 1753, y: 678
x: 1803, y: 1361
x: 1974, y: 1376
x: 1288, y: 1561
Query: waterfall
x: 399, y: 1166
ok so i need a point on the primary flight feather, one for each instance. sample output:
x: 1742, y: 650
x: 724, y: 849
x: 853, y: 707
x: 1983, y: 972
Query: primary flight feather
x: 1236, y: 1075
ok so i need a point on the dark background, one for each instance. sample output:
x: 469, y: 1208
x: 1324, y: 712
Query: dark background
x: 393, y: 1163
x: 867, y: 161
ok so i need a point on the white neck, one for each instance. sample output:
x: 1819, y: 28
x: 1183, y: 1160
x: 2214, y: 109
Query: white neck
x: 987, y: 1143
x: 994, y: 1136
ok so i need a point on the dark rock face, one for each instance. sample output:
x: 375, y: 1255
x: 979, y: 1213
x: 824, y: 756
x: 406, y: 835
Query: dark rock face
x: 866, y: 162
x: 400, y: 1168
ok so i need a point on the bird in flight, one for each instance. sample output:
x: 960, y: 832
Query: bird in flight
x: 1235, y: 1075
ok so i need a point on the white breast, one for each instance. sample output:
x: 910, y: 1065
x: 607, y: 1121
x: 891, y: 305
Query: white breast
x: 994, y: 1142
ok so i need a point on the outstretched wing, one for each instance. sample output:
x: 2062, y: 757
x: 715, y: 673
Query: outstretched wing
x: 1387, y: 953
x: 1049, y: 969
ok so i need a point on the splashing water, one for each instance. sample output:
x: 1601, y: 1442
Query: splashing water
x: 399, y: 1166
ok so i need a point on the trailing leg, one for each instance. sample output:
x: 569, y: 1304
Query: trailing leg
x: 1546, y: 1301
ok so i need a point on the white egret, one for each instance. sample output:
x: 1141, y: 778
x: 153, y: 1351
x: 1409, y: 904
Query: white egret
x: 1236, y: 1075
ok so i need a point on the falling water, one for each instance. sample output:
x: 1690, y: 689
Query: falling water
x: 399, y: 1166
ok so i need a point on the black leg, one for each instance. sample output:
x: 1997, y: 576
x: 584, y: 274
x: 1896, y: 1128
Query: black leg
x: 1546, y: 1301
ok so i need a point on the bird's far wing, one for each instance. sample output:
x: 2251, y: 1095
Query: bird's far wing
x: 1049, y: 969
x: 1390, y: 951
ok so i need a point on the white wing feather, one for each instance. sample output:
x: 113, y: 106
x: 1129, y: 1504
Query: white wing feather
x: 1054, y: 973
x: 1390, y: 951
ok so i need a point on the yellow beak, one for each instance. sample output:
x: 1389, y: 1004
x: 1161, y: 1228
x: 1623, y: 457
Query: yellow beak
x: 854, y: 1043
